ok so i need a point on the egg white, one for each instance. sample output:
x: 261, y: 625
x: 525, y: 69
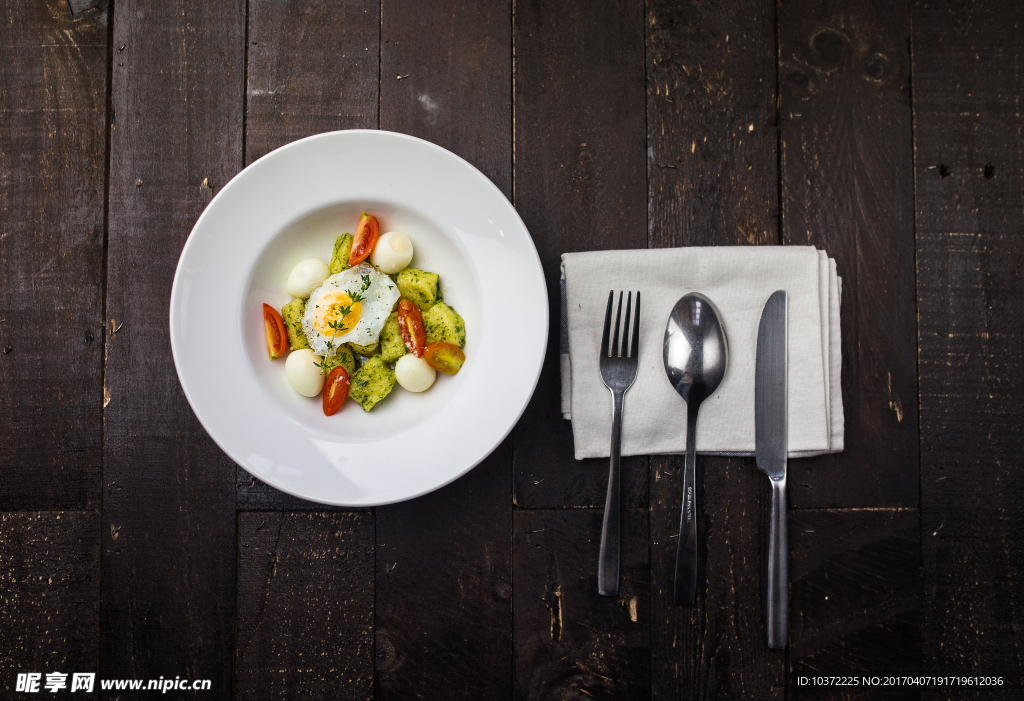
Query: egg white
x: 378, y: 299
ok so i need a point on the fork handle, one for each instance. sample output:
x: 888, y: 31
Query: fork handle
x: 685, y: 582
x: 608, y: 559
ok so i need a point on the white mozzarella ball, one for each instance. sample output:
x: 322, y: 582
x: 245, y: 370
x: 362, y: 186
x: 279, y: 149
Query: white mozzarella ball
x: 301, y: 369
x: 414, y: 374
x: 306, y: 277
x: 392, y: 253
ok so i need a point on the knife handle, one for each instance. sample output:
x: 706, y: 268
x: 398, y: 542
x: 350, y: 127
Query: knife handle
x: 778, y: 568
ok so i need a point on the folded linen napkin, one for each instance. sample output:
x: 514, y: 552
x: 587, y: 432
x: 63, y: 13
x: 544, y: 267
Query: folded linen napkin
x: 739, y: 280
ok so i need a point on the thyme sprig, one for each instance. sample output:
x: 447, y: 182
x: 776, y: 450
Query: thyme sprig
x: 338, y: 325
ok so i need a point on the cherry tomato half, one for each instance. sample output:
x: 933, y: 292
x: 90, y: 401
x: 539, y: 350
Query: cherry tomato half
x: 335, y: 390
x: 365, y: 239
x: 444, y: 357
x: 410, y: 321
x: 277, y: 337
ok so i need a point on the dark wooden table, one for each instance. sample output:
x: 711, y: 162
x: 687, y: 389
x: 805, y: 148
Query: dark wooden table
x: 888, y: 132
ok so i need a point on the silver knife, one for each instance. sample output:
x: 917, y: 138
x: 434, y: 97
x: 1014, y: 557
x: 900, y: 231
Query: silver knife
x: 771, y: 447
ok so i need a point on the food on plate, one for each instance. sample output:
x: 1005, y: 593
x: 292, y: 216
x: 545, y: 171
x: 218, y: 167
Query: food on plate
x: 306, y: 276
x: 304, y: 372
x: 420, y: 287
x: 371, y: 383
x: 366, y: 306
x: 343, y: 358
x: 277, y: 337
x: 335, y: 390
x: 365, y: 239
x: 367, y: 350
x: 444, y: 357
x: 342, y: 250
x: 444, y: 324
x: 392, y: 345
x: 292, y: 313
x: 350, y: 307
x: 414, y: 374
x: 410, y: 322
x: 393, y: 253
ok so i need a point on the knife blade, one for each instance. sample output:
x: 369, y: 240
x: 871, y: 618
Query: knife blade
x: 771, y: 448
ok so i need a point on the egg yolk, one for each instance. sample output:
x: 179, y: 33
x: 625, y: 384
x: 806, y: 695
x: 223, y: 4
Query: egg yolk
x: 340, y: 316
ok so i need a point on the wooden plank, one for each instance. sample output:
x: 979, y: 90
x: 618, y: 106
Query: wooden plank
x: 721, y: 643
x: 444, y: 572
x: 312, y: 66
x: 579, y: 185
x: 855, y: 599
x: 168, y: 560
x: 847, y: 188
x: 968, y: 78
x: 50, y: 584
x: 713, y: 181
x: 252, y: 494
x: 571, y: 642
x: 305, y: 605
x: 53, y: 95
x: 444, y: 589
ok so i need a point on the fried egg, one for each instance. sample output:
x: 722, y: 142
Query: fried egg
x: 350, y: 307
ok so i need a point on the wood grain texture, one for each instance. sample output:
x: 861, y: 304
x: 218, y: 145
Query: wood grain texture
x: 252, y: 494
x: 969, y: 160
x: 305, y: 606
x: 444, y: 570
x: 719, y: 647
x: 855, y: 599
x: 571, y: 642
x: 168, y: 527
x: 53, y: 96
x: 312, y: 67
x: 444, y: 589
x: 446, y: 76
x: 49, y: 593
x: 847, y: 188
x: 713, y: 181
x: 579, y: 186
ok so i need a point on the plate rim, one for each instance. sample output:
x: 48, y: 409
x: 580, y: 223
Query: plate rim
x: 534, y: 256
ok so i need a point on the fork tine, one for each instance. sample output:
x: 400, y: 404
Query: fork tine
x: 607, y: 325
x: 636, y: 328
x: 625, y: 327
x: 618, y: 318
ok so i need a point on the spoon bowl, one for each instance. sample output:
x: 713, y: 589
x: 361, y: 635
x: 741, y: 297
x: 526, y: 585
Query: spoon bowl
x: 696, y: 354
x: 696, y: 349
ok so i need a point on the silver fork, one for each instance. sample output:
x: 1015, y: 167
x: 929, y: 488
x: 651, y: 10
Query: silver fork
x: 618, y: 370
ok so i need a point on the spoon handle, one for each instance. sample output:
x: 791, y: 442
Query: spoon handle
x: 685, y: 589
x: 608, y: 558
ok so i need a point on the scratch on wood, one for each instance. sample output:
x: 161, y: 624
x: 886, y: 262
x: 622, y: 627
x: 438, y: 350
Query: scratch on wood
x: 629, y: 605
x: 553, y: 600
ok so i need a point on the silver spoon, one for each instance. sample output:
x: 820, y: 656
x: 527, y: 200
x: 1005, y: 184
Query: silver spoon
x: 696, y: 356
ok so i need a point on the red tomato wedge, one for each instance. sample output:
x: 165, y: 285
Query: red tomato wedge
x: 444, y: 357
x: 410, y: 321
x: 335, y: 390
x: 365, y: 239
x: 277, y: 337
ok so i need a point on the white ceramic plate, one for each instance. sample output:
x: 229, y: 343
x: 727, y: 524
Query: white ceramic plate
x: 290, y: 205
